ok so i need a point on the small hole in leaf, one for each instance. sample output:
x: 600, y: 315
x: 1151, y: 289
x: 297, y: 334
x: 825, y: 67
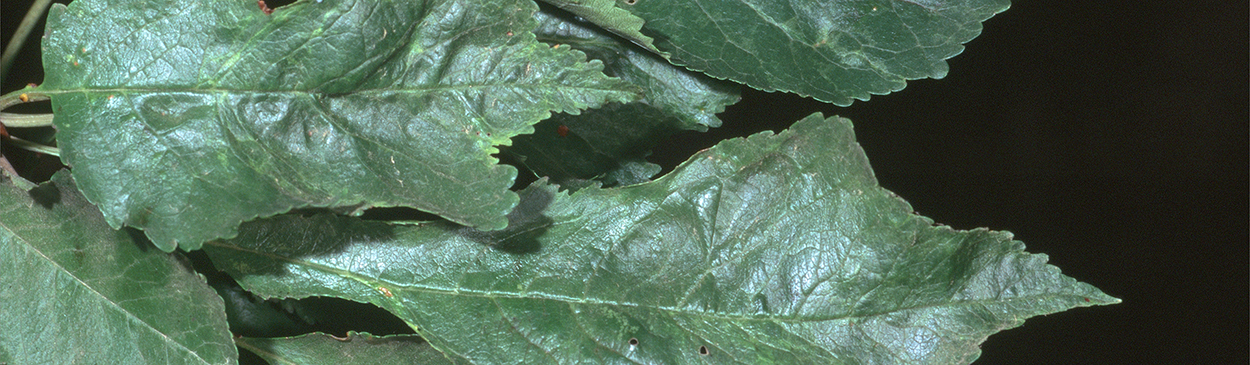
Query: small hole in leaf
x: 631, y: 2
x: 703, y: 350
x: 633, y: 342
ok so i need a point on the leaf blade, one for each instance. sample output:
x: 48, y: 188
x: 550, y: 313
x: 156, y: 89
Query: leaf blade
x: 76, y: 288
x: 833, y: 51
x: 765, y: 249
x: 214, y: 113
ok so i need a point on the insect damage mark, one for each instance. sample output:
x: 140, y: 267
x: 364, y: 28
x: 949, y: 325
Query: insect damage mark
x: 264, y: 8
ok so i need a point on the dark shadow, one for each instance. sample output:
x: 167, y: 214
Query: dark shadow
x: 139, y: 238
x: 248, y: 358
x: 275, y: 4
x: 251, y: 316
x: 398, y: 214
x: 46, y: 195
x: 279, y: 240
x: 526, y: 223
x: 33, y: 166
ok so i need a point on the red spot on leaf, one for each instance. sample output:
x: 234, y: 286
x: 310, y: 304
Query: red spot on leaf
x: 562, y: 130
x: 264, y: 8
x: 1087, y: 300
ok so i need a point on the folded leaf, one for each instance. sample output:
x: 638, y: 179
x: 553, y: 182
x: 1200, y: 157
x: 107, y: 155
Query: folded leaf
x: 611, y: 143
x: 77, y: 291
x: 832, y: 50
x: 604, y: 13
x: 184, y: 118
x: 356, y: 348
x: 769, y: 249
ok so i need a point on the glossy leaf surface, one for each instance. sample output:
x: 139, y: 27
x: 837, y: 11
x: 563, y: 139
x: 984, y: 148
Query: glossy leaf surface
x: 610, y: 144
x: 356, y: 348
x: 770, y: 249
x: 77, y: 291
x: 607, y: 15
x: 184, y: 118
x: 831, y: 50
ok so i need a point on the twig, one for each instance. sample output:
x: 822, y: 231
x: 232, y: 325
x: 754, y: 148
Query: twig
x: 19, y: 37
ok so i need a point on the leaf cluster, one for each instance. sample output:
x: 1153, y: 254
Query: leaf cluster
x: 206, y: 135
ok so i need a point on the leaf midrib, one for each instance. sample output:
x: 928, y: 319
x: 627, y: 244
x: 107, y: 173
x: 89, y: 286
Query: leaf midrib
x: 567, y: 299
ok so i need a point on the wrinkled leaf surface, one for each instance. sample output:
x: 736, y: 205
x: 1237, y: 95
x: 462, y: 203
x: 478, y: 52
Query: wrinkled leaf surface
x: 184, y: 118
x: 770, y: 249
x: 77, y: 291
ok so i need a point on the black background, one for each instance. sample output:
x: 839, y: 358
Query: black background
x: 1109, y: 135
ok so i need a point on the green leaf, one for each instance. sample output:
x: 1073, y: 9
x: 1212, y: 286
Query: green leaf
x: 356, y: 348
x: 769, y: 249
x: 611, y: 143
x: 77, y: 291
x: 604, y: 13
x: 831, y: 50
x: 184, y: 118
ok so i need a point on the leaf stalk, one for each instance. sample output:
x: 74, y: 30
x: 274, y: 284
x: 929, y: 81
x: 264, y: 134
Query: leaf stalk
x: 34, y: 147
x: 15, y: 120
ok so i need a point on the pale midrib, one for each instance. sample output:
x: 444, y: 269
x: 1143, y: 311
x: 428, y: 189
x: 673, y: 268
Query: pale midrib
x: 566, y: 299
